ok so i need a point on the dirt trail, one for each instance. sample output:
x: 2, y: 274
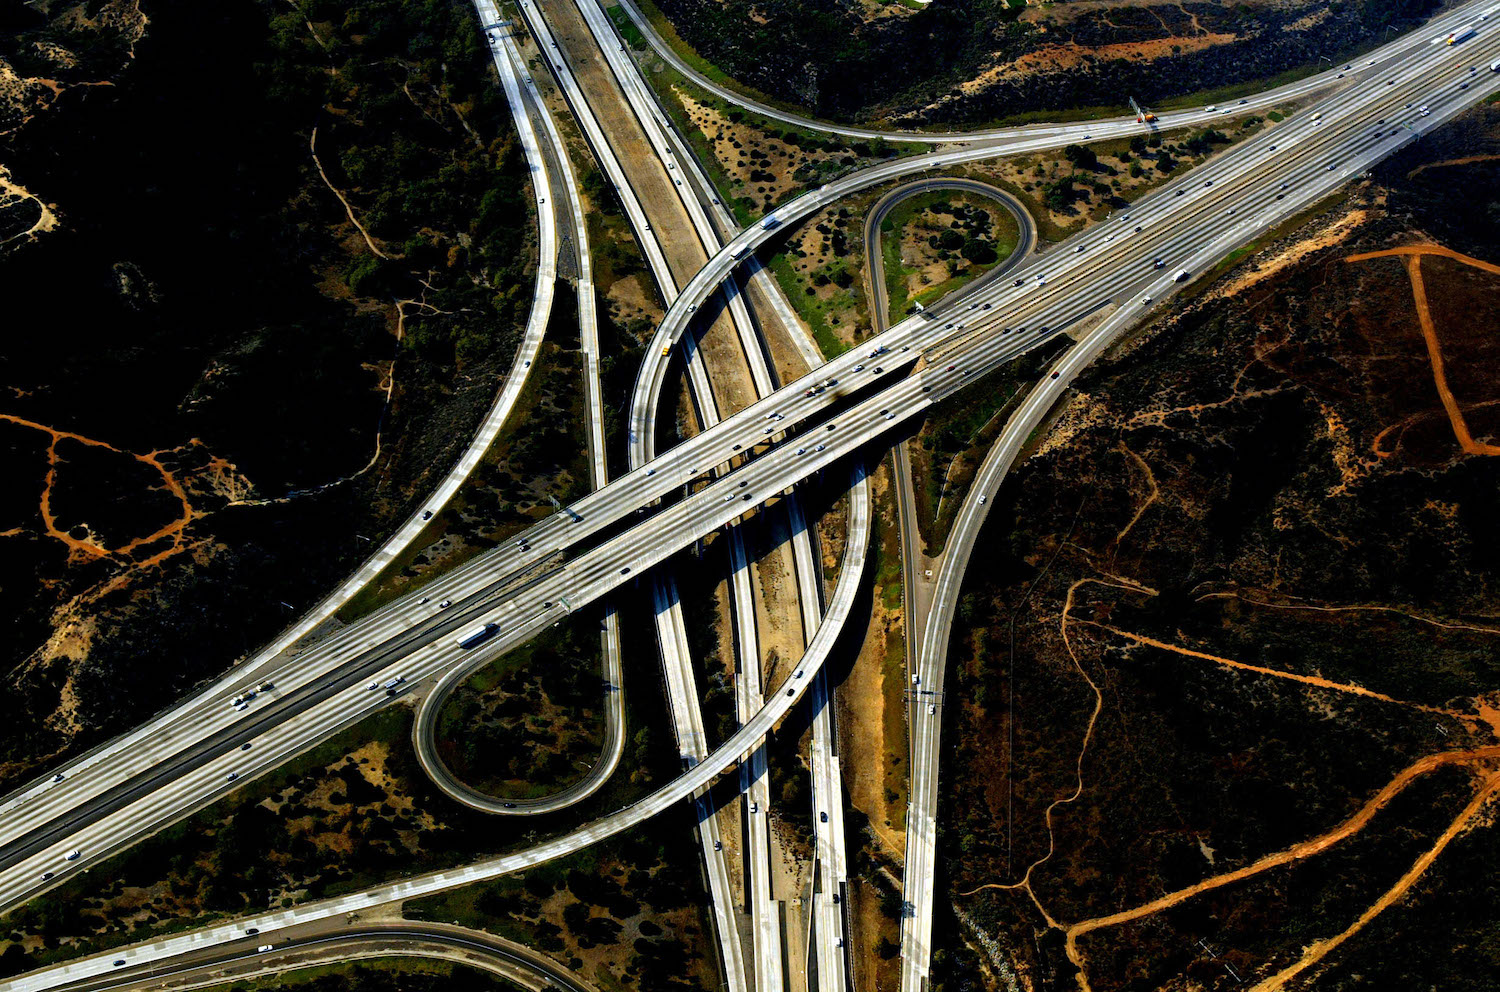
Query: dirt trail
x: 1320, y: 949
x: 1351, y: 608
x: 1467, y: 160
x: 46, y: 219
x: 1025, y: 882
x: 1312, y: 680
x: 1412, y: 256
x: 1146, y: 505
x: 312, y: 146
x: 1309, y: 848
x: 174, y: 530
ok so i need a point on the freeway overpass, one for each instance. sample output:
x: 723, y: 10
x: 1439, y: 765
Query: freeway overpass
x: 1196, y: 219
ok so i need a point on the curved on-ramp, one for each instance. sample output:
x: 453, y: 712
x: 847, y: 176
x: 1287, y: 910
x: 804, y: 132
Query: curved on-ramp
x: 424, y: 728
x: 875, y: 263
x: 1179, y: 118
x: 241, y: 961
x: 80, y: 973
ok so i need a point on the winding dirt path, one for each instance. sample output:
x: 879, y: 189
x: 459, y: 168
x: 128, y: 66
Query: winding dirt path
x: 90, y: 548
x: 1411, y: 256
x: 1467, y: 160
x: 1319, y: 949
x: 312, y: 146
x: 1347, y: 608
x: 1307, y: 849
x: 1312, y: 680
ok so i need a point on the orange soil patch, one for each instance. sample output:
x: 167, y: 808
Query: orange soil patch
x: 1312, y: 847
x: 1411, y: 256
x: 174, y: 530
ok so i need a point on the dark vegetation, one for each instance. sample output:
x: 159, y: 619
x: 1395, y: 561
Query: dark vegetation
x: 353, y: 812
x: 384, y: 975
x: 1267, y: 478
x: 631, y: 906
x: 825, y: 56
x: 529, y: 724
x: 206, y: 298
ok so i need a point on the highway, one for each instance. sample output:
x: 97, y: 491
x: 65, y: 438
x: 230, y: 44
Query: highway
x: 333, y: 945
x: 409, y: 623
x: 107, y: 780
x: 269, y: 926
x: 1114, y: 267
x: 1100, y: 129
x: 1245, y: 177
x: 699, y: 198
x: 682, y: 691
x: 559, y: 165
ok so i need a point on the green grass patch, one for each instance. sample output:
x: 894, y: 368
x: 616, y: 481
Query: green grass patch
x: 1003, y: 234
x: 809, y: 308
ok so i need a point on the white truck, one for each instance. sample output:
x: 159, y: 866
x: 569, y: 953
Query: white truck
x: 770, y: 222
x: 1462, y: 34
x: 1495, y: 66
x: 478, y: 635
x: 1181, y: 275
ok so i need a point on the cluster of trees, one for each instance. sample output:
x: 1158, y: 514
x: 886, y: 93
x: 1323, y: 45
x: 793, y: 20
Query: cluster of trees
x: 823, y: 55
x: 413, y: 129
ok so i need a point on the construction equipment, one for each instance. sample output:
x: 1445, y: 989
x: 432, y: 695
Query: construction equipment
x: 1142, y: 115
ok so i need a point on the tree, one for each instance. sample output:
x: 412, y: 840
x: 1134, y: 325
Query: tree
x: 1081, y: 157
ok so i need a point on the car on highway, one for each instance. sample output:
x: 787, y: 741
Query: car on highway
x: 47, y: 874
x: 747, y: 497
x: 445, y: 604
x: 819, y: 447
x: 1145, y: 301
x: 916, y: 680
x: 982, y: 498
x: 1056, y: 374
x: 801, y: 451
x: 625, y: 570
x: 755, y: 807
x: 718, y: 845
x: 932, y: 707
x: 119, y: 962
x: 231, y: 776
x: 58, y: 777
x: 72, y: 855
x: 822, y: 817
x: 426, y: 514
